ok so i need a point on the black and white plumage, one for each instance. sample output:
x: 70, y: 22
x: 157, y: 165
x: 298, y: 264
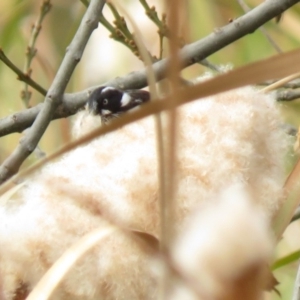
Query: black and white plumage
x: 109, y: 102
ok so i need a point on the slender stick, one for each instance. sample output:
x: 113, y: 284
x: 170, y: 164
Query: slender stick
x: 54, y: 96
x: 31, y: 50
x: 21, y: 75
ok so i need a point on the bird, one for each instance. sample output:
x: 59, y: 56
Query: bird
x: 109, y: 102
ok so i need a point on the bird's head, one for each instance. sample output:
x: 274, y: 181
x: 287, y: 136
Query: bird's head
x: 109, y: 102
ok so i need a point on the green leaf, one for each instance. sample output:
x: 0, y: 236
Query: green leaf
x: 281, y: 262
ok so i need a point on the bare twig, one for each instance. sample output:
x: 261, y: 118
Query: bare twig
x: 190, y: 54
x: 31, y: 50
x: 163, y: 30
x: 287, y: 95
x: 30, y: 54
x: 54, y: 96
x: 151, y: 12
x: 21, y: 76
x: 246, y: 8
x: 281, y: 82
x: 294, y: 84
x: 122, y: 32
x: 119, y: 31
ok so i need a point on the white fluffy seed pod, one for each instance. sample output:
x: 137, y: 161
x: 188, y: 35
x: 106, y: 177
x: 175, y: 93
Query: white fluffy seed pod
x: 229, y: 138
x: 36, y: 232
x: 224, y: 249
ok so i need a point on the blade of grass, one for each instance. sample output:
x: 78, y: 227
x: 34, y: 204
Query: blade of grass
x: 281, y: 262
x: 45, y: 287
x: 154, y: 95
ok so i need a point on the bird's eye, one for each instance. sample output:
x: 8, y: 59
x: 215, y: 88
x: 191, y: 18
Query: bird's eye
x: 105, y: 101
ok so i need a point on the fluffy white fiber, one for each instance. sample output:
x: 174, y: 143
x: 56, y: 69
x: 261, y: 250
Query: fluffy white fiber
x: 224, y: 247
x: 226, y: 140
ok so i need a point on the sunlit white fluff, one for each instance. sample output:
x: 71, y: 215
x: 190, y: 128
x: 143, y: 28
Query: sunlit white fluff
x: 224, y: 249
x: 222, y: 140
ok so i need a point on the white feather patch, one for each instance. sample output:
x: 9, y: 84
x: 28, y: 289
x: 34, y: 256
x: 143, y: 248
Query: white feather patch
x: 105, y: 112
x: 125, y: 99
x: 108, y: 88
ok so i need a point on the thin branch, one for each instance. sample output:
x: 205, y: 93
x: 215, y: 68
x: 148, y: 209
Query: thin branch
x: 54, y: 96
x: 31, y: 50
x: 190, y: 54
x: 163, y: 30
x: 294, y: 84
x: 30, y: 54
x: 278, y: 84
x: 120, y: 22
x: 287, y: 95
x: 21, y: 76
x: 151, y: 12
x: 246, y: 8
x: 119, y: 31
